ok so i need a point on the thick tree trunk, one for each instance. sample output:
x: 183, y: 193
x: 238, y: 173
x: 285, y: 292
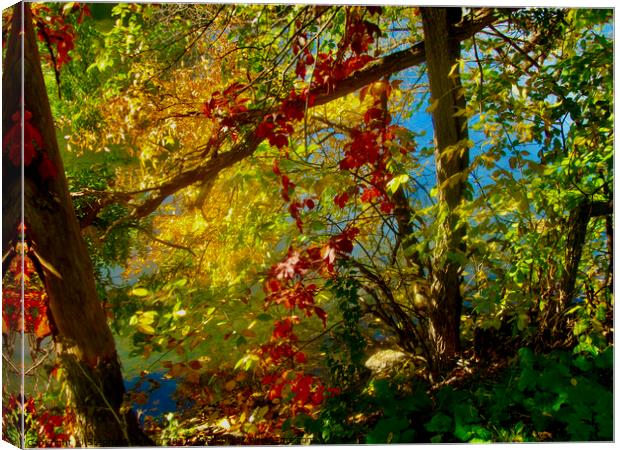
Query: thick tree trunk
x: 84, y: 342
x: 451, y: 159
x: 11, y: 174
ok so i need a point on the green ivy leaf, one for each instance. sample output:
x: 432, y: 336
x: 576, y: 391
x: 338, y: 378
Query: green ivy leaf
x: 440, y: 423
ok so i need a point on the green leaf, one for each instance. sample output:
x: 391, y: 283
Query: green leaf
x: 382, y: 390
x: 440, y: 423
x: 606, y: 359
x: 394, y: 183
x: 527, y: 379
x: 180, y: 283
x: 583, y: 363
x: 386, y: 426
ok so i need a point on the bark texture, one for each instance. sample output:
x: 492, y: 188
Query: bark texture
x: 84, y: 342
x: 442, y: 51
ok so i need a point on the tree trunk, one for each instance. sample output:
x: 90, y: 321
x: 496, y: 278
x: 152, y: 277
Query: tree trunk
x: 451, y: 160
x: 84, y: 342
x: 554, y: 323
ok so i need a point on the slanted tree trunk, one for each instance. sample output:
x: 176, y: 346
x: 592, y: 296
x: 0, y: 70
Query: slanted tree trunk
x: 554, y: 323
x: 451, y: 160
x: 84, y: 342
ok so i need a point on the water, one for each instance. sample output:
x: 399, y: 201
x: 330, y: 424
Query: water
x: 158, y: 398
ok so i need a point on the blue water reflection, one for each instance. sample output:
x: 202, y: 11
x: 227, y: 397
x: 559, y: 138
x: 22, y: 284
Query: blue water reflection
x: 160, y: 395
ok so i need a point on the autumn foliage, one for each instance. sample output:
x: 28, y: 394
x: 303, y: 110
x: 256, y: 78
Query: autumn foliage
x: 315, y: 224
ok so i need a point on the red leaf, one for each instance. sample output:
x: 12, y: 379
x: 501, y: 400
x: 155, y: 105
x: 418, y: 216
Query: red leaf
x: 314, y: 253
x: 207, y: 109
x: 300, y: 68
x: 265, y: 128
x: 29, y: 154
x: 30, y: 132
x: 309, y: 203
x: 333, y: 391
x: 301, y: 388
x: 341, y: 199
x: 356, y: 62
x: 12, y: 140
x: 317, y: 397
x: 273, y: 285
x: 320, y: 312
x: 352, y: 232
x: 374, y: 114
x: 269, y: 379
x: 293, y: 108
x: 287, y: 188
x: 276, y: 391
x: 233, y: 88
x: 283, y: 329
x: 370, y: 193
x: 84, y: 11
x: 15, y: 153
x: 47, y: 169
x: 300, y: 357
x: 387, y: 206
x: 294, y: 210
x: 278, y: 140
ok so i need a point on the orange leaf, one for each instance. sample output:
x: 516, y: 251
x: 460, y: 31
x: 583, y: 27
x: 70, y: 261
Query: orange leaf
x: 248, y: 333
x: 41, y: 330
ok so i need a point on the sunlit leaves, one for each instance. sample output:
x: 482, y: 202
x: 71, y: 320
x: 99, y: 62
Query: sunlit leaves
x: 238, y: 263
x: 144, y: 321
x: 140, y: 292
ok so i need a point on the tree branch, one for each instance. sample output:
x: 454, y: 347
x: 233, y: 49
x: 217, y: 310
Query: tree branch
x: 373, y: 71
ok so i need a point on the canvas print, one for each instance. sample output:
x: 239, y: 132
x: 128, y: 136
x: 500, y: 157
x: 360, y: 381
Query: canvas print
x: 276, y: 224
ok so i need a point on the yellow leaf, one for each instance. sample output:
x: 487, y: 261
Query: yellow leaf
x: 144, y: 328
x: 250, y: 428
x: 140, y: 292
x: 453, y: 69
x: 433, y: 106
x: 224, y: 423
